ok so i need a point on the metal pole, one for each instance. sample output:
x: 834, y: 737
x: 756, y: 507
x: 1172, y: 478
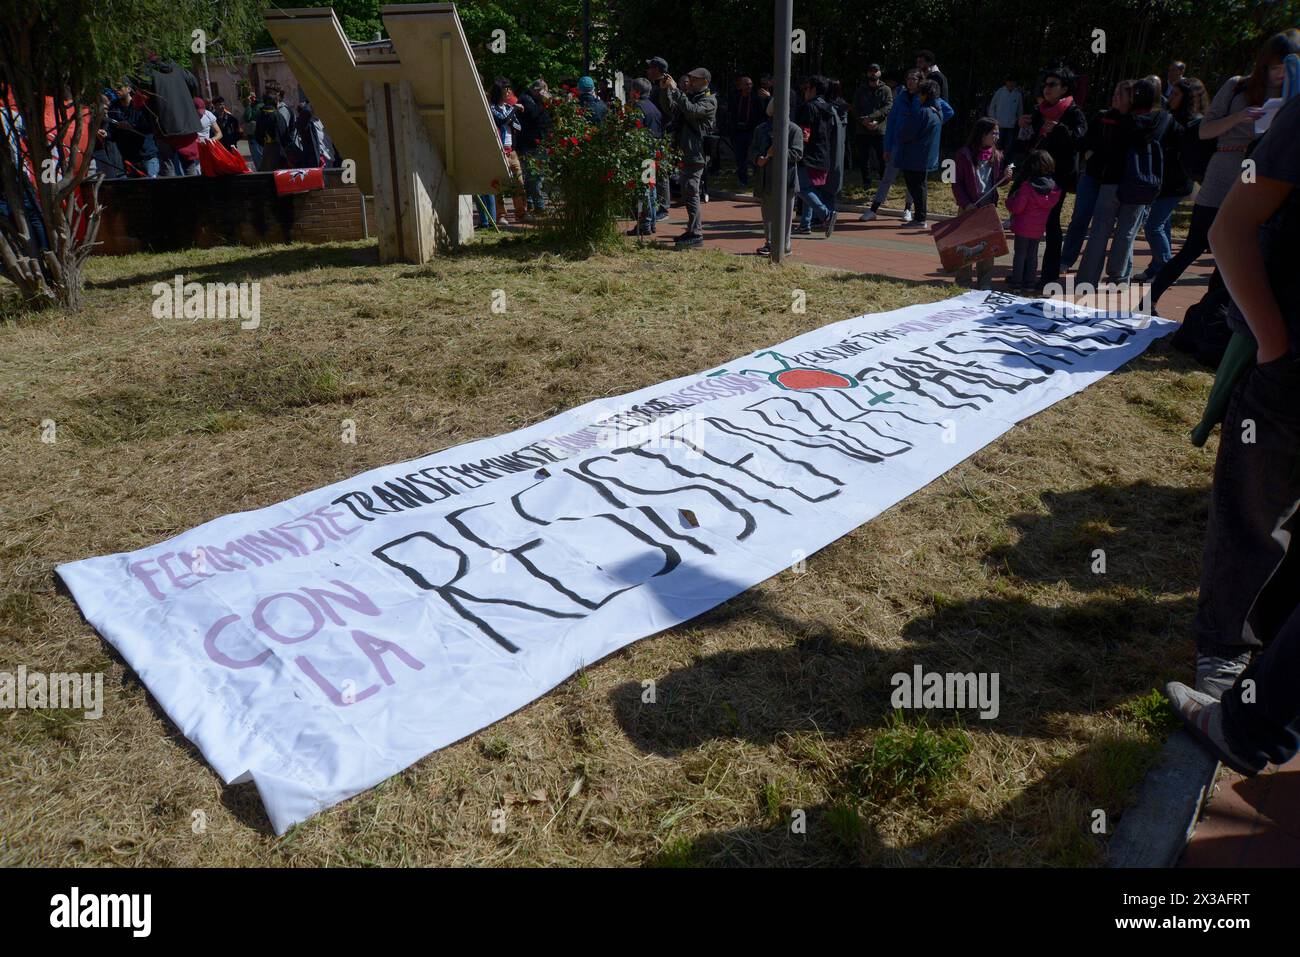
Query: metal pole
x: 779, y: 166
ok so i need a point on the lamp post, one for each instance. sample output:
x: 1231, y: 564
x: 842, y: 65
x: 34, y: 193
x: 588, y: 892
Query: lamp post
x: 779, y: 167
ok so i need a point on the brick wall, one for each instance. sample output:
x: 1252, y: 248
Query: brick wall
x: 157, y: 215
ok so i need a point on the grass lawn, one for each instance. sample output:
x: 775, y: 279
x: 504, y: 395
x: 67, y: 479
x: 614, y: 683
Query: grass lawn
x: 775, y: 702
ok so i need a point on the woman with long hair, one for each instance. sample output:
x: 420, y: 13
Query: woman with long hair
x: 1231, y: 119
x: 978, y: 174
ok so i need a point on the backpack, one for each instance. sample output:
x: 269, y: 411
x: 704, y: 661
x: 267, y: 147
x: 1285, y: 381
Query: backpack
x: 1195, y: 152
x: 1144, y: 171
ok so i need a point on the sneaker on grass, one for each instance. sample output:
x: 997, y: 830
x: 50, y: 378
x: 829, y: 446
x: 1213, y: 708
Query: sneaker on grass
x: 1203, y: 718
x: 1215, y: 675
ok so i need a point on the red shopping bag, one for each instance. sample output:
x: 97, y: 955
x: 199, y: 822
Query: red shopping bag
x: 218, y: 159
x: 970, y: 237
x: 299, y: 180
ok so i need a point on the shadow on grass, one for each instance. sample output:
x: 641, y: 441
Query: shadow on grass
x: 256, y: 263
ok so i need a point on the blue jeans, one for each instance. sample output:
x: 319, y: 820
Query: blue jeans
x: 151, y: 167
x: 1159, y: 233
x: 812, y: 200
x: 488, y: 209
x: 255, y: 151
x: 1085, y: 201
x: 1110, y: 217
x: 649, y: 207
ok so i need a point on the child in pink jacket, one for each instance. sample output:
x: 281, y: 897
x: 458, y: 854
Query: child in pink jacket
x: 1032, y: 197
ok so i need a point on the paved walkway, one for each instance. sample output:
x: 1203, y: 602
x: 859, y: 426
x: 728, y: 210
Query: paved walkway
x: 886, y: 246
x: 1247, y: 822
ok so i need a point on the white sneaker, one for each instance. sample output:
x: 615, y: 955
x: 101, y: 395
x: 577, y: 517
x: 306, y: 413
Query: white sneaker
x: 867, y: 217
x: 907, y: 215
x: 1203, y: 718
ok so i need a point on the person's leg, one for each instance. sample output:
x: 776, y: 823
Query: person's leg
x: 882, y: 191
x: 1006, y: 137
x: 1128, y: 219
x: 1195, y: 245
x: 1158, y: 233
x: 812, y: 203
x: 255, y: 153
x: 740, y: 146
x: 663, y: 187
x: 915, y: 180
x: 1017, y: 277
x: 1052, y: 245
x: 151, y: 166
x: 692, y: 185
x: 1252, y: 502
x: 1261, y: 712
x: 984, y: 274
x: 1031, y: 262
x: 1085, y: 201
x: 1103, y: 224
x: 962, y: 277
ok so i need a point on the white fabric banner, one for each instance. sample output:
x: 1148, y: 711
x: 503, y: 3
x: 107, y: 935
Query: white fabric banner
x: 322, y: 644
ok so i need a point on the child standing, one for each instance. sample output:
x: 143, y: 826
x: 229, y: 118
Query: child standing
x: 1033, y: 195
x: 979, y: 173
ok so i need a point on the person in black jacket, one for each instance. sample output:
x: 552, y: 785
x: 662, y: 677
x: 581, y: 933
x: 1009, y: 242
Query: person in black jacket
x: 1187, y: 103
x: 1094, y: 150
x: 743, y: 116
x: 534, y: 127
x: 229, y: 123
x: 272, y: 133
x: 817, y: 121
x: 1115, y: 220
x: 1057, y: 126
x: 653, y: 120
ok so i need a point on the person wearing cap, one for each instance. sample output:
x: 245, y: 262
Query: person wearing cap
x: 591, y: 104
x: 695, y: 109
x: 656, y: 68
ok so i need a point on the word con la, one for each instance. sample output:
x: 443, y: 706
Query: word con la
x: 57, y: 690
x: 932, y: 689
x: 292, y: 539
x: 75, y: 909
x: 279, y: 618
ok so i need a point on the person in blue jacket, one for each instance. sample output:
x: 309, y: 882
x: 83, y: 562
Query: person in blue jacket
x: 906, y: 102
x: 918, y: 144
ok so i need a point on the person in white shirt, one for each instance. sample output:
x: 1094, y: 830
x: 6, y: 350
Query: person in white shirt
x: 1005, y: 108
x: 209, y: 129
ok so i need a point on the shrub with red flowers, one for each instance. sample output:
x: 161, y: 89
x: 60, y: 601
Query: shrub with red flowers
x: 595, y: 173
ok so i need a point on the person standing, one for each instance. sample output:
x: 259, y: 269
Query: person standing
x: 1231, y: 121
x: 817, y: 121
x: 925, y: 62
x: 271, y: 133
x: 653, y: 122
x: 694, y: 109
x: 1034, y: 194
x: 979, y: 172
x: 1187, y: 103
x: 762, y: 150
x: 656, y: 68
x: 534, y: 127
x: 1128, y: 187
x: 1098, y: 148
x: 1057, y: 126
x: 251, y: 111
x: 743, y: 111
x: 905, y: 103
x: 1177, y: 70
x: 228, y: 122
x: 1244, y: 711
x: 871, y: 103
x: 590, y: 103
x: 1006, y: 106
x: 918, y: 152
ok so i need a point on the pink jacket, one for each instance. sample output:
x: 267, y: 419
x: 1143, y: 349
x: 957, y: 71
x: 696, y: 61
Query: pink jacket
x: 1030, y: 203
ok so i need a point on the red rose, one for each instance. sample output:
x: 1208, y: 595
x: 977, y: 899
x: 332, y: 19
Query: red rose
x: 659, y: 154
x: 638, y: 124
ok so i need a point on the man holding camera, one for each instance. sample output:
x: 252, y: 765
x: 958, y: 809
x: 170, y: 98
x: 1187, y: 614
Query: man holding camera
x: 695, y: 108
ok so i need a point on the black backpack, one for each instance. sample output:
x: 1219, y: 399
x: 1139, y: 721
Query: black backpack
x: 1144, y: 171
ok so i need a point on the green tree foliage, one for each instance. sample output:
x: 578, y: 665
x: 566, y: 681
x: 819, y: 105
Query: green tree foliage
x: 55, y: 56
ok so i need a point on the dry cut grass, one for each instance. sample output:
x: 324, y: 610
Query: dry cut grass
x: 771, y: 708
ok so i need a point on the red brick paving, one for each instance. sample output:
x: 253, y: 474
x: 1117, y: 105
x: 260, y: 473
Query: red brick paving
x: 1248, y: 822
x: 886, y: 246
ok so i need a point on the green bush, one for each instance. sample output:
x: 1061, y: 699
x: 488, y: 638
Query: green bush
x: 595, y: 173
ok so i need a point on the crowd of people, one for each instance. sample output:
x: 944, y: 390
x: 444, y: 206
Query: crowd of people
x: 154, y: 123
